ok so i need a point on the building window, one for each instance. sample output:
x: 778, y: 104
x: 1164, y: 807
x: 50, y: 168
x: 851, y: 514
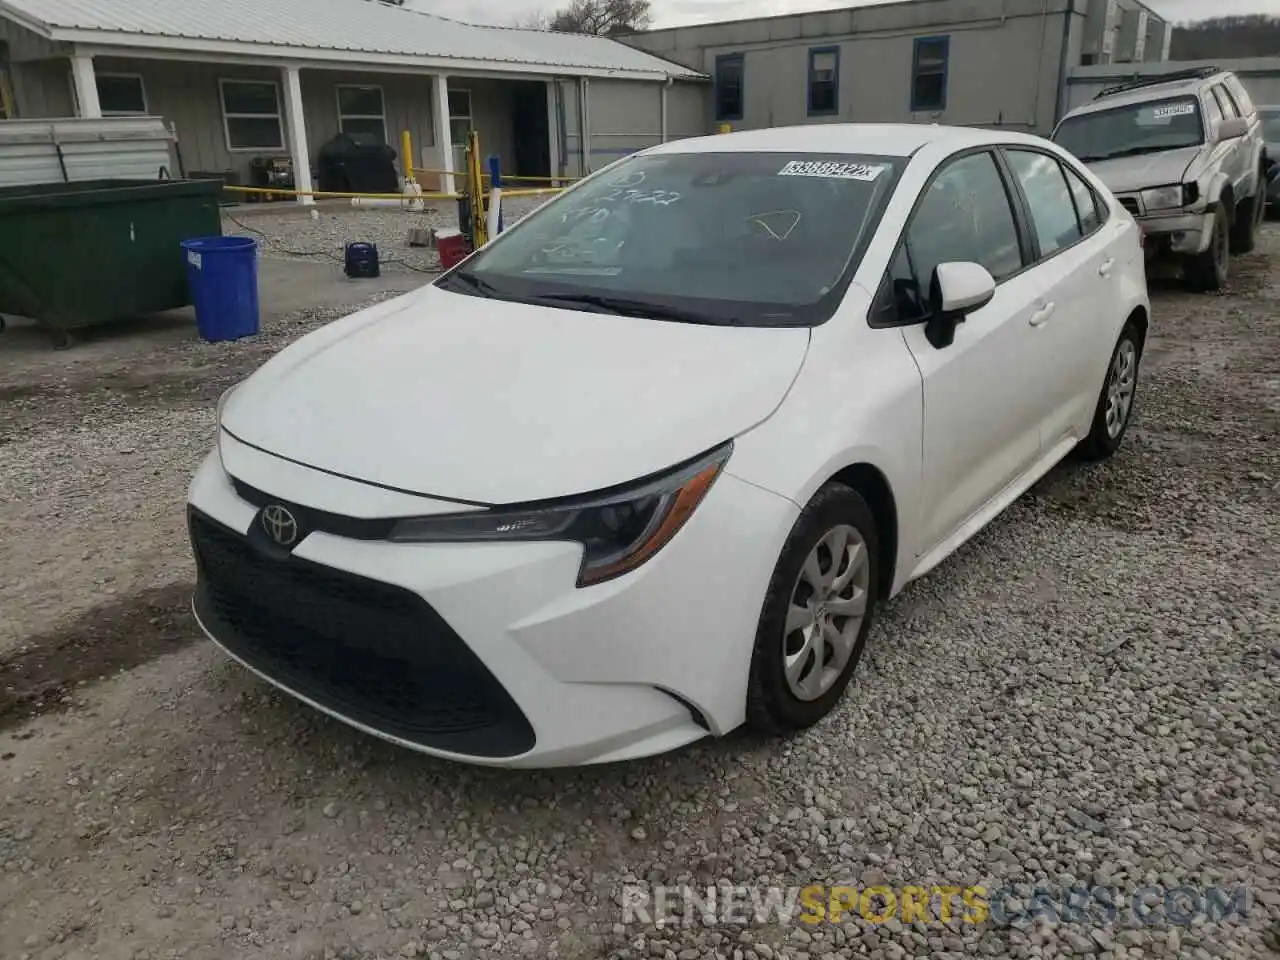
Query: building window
x: 929, y: 73
x: 729, y: 75
x: 121, y: 95
x: 251, y: 115
x: 361, y: 113
x: 824, y: 81
x: 460, y: 127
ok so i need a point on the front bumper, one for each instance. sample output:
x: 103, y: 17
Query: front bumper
x: 490, y: 653
x: 1178, y: 233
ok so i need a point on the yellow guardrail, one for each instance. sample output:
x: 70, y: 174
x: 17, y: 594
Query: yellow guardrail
x: 329, y: 194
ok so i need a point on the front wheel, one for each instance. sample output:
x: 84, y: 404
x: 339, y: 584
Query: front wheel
x: 1207, y: 272
x: 1115, y: 404
x: 816, y: 615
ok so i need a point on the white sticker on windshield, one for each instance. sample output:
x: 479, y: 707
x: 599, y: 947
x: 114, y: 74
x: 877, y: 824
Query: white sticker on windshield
x: 1172, y: 110
x: 832, y: 169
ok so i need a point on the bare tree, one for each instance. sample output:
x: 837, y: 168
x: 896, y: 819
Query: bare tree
x: 1257, y: 35
x: 604, y: 18
x: 533, y: 20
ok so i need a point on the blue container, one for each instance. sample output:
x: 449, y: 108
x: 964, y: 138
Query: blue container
x: 223, y: 274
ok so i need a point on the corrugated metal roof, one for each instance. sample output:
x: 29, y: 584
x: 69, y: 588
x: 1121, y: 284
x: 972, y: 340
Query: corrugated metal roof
x: 356, y: 26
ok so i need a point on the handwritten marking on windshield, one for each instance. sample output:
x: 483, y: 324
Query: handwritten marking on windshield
x: 778, y: 224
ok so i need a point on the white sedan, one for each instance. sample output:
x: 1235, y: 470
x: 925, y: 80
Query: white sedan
x: 640, y: 470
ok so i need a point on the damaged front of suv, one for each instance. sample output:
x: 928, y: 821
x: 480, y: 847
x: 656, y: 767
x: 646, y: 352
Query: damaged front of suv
x: 1163, y: 162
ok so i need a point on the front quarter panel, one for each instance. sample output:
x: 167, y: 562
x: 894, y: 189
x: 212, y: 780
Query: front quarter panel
x: 858, y: 400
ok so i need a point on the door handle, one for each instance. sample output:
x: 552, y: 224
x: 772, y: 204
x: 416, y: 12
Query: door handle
x: 1042, y: 315
x: 1105, y: 269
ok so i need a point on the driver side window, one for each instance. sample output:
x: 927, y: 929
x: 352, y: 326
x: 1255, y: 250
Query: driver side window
x: 964, y: 215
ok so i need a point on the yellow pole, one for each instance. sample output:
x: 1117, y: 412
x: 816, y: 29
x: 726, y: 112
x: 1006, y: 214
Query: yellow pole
x: 406, y: 154
x: 478, y: 222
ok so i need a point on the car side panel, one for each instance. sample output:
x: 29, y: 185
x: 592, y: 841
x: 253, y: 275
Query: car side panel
x: 857, y: 400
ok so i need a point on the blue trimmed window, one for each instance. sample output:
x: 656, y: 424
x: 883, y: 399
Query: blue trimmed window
x: 929, y: 74
x: 824, y: 81
x: 730, y: 68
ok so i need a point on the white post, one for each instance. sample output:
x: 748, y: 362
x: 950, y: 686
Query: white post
x: 297, y: 124
x: 86, y: 84
x: 553, y: 130
x: 440, y: 124
x: 666, y: 85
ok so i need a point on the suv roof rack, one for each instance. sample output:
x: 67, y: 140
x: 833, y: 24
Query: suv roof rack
x: 1194, y: 73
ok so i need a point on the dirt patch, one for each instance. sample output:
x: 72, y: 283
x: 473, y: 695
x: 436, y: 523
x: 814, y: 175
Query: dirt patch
x: 44, y: 675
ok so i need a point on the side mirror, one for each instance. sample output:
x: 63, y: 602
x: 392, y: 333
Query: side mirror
x: 956, y: 290
x: 1232, y: 128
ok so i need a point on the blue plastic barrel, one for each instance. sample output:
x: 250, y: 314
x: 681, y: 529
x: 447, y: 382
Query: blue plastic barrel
x: 223, y: 274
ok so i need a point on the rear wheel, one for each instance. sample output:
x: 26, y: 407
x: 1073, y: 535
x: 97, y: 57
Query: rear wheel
x: 1207, y: 272
x: 1115, y: 403
x: 817, y: 613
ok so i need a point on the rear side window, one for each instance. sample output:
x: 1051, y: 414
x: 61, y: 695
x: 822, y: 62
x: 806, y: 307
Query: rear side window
x: 1088, y: 208
x: 1053, y: 211
x: 1225, y: 103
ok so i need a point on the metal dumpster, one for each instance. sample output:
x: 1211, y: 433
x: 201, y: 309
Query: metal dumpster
x: 80, y: 254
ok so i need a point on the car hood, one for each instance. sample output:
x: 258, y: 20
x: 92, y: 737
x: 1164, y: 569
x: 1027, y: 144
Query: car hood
x: 1126, y: 174
x: 460, y: 397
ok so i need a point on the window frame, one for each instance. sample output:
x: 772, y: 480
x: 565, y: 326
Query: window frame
x: 1025, y: 206
x: 226, y: 116
x: 1240, y: 93
x: 721, y: 60
x: 945, y: 40
x: 382, y: 100
x: 883, y: 302
x: 1225, y: 102
x: 142, y: 89
x: 815, y: 52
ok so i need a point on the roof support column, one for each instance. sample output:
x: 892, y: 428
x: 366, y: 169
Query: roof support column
x: 297, y: 124
x: 555, y: 166
x: 440, y: 128
x: 86, y: 86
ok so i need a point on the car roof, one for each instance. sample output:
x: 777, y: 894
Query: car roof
x: 877, y: 139
x: 1155, y: 91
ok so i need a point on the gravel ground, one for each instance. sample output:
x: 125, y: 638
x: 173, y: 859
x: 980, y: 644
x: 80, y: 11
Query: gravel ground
x: 291, y: 232
x: 1089, y: 691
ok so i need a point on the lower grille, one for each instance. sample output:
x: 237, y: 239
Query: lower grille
x: 372, y: 652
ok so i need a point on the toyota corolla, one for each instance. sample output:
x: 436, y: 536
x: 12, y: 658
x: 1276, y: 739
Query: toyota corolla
x: 640, y: 470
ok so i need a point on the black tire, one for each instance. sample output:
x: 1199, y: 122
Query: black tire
x: 1244, y: 230
x: 1207, y: 272
x: 772, y: 705
x: 1103, y: 441
x: 62, y: 339
x: 2, y: 323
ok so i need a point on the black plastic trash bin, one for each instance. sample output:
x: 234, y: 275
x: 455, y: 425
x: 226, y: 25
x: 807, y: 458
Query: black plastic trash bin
x: 80, y: 254
x: 351, y: 165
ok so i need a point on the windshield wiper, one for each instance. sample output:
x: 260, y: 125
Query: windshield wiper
x: 1132, y: 152
x: 472, y: 284
x: 624, y: 307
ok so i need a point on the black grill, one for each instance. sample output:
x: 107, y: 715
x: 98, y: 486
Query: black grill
x: 1130, y: 204
x: 374, y: 653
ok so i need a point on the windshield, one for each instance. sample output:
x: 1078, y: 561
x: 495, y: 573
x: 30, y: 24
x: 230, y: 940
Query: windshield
x: 1270, y: 125
x: 1133, y: 129
x: 759, y: 239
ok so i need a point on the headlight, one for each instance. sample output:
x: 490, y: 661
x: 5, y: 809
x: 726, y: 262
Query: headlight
x: 1171, y: 197
x: 618, y: 531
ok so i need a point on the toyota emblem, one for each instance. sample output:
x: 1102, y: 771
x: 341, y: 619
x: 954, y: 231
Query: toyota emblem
x: 280, y: 525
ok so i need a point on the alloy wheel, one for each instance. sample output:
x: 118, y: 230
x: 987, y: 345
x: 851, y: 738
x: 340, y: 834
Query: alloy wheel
x: 825, y: 614
x: 1121, y: 384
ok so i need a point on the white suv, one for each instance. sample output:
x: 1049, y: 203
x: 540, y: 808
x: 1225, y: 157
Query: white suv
x: 1185, y: 154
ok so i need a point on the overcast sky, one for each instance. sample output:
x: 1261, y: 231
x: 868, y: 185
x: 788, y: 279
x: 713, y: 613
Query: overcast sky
x: 672, y: 13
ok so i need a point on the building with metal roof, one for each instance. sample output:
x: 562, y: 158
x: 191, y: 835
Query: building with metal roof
x: 244, y: 82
